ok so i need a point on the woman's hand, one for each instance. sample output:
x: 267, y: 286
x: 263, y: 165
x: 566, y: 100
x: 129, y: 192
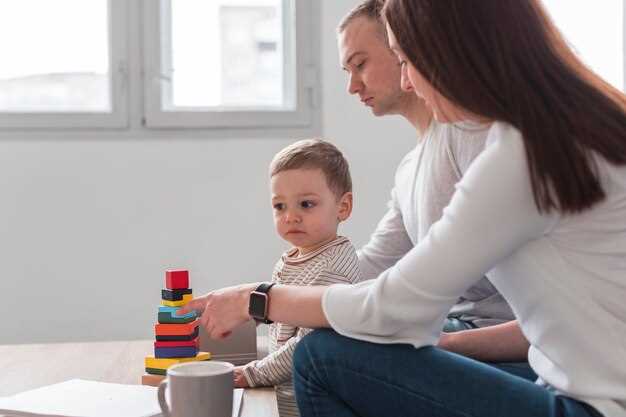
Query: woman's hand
x: 223, y: 310
x: 239, y: 380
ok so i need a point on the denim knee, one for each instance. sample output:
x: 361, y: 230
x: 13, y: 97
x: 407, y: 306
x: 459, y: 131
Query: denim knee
x: 301, y: 353
x: 309, y: 347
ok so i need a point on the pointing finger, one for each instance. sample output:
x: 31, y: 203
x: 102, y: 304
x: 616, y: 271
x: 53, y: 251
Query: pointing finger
x: 197, y: 305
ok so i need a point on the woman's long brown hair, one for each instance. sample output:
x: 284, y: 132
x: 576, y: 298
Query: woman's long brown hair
x: 505, y: 60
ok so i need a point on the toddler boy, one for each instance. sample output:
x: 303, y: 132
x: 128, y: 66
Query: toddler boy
x: 311, y: 194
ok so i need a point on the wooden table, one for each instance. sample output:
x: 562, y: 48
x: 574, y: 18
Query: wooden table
x: 25, y: 367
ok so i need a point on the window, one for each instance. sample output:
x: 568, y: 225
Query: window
x: 243, y: 61
x: 228, y: 63
x: 158, y: 64
x: 596, y: 32
x: 61, y: 69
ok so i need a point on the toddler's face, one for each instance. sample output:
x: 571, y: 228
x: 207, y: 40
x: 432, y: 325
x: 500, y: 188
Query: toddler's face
x: 306, y: 211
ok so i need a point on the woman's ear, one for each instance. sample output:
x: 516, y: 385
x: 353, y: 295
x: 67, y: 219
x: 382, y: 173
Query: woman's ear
x: 345, y: 206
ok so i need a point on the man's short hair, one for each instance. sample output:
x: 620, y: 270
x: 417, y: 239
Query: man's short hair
x: 316, y: 154
x: 370, y: 9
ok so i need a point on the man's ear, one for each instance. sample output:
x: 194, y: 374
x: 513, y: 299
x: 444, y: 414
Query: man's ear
x: 345, y: 206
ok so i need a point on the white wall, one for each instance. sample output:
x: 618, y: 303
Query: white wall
x: 87, y: 227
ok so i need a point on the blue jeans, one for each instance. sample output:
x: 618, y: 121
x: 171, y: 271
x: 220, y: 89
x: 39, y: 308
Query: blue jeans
x: 342, y: 377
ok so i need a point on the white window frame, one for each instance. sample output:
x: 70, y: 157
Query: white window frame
x: 118, y: 116
x: 129, y: 24
x: 306, y: 82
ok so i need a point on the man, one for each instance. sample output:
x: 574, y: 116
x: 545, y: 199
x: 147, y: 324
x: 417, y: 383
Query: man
x: 424, y: 184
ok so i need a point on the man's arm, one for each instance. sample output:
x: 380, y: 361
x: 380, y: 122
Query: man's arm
x: 387, y: 244
x: 500, y: 343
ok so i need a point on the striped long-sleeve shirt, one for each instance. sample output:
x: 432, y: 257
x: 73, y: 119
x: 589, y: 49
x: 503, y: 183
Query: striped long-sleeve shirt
x: 335, y: 262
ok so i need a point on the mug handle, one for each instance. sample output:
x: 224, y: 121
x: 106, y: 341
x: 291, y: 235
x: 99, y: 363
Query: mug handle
x: 161, y: 395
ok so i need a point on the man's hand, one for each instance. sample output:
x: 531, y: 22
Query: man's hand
x: 447, y: 342
x: 239, y: 380
x: 500, y: 343
x: 221, y: 311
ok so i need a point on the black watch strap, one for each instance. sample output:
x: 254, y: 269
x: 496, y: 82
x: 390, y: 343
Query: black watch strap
x: 265, y: 287
x: 259, y: 302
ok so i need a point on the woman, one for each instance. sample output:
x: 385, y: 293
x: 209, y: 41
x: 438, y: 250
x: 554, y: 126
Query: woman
x: 542, y: 211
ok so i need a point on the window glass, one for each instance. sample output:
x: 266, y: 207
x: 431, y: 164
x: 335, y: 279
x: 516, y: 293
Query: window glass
x: 227, y: 53
x: 55, y: 56
x: 595, y: 31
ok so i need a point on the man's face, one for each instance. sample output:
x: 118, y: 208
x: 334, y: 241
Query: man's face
x: 373, y: 70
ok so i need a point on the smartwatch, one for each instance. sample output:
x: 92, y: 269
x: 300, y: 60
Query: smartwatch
x: 259, y: 302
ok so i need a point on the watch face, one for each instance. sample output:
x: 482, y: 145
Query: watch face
x: 258, y: 302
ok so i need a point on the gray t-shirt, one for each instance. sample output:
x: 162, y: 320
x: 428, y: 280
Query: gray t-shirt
x: 424, y: 184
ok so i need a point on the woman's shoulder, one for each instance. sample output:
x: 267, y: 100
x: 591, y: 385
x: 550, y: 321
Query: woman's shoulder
x: 503, y: 159
x: 496, y: 143
x: 503, y: 133
x: 504, y: 144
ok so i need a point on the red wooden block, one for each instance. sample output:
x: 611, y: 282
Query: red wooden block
x: 178, y: 279
x: 178, y: 343
x: 175, y: 329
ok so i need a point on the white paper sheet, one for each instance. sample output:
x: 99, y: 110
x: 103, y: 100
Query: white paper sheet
x: 81, y: 398
x: 237, y: 399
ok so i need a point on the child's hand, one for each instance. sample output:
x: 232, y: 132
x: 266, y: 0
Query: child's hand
x: 239, y: 380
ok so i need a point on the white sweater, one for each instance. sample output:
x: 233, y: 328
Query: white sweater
x: 564, y: 276
x: 424, y: 184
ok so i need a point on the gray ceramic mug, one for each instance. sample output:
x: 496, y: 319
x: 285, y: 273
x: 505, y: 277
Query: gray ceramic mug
x: 198, y: 389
